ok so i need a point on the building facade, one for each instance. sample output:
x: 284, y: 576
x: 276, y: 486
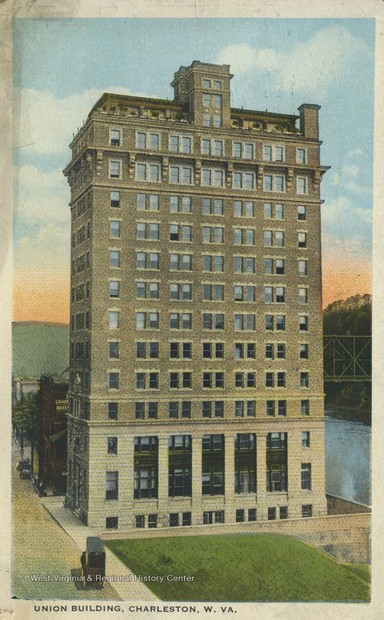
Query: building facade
x: 196, y: 372
x: 52, y: 440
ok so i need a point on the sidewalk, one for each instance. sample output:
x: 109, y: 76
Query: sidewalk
x: 127, y: 590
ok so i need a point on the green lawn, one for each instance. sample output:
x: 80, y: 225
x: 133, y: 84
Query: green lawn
x: 242, y: 567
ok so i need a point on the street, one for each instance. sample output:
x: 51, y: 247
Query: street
x: 43, y: 553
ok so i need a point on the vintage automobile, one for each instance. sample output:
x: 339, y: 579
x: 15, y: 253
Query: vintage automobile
x: 93, y: 562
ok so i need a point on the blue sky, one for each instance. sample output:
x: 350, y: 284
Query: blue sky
x: 62, y: 66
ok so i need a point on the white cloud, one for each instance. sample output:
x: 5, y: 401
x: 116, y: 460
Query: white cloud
x: 45, y: 123
x: 344, y: 222
x: 346, y: 179
x: 241, y: 57
x: 309, y: 68
x: 40, y: 196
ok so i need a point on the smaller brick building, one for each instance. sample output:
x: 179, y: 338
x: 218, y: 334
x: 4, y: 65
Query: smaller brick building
x: 52, y: 444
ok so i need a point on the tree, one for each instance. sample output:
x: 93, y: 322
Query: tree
x: 25, y: 417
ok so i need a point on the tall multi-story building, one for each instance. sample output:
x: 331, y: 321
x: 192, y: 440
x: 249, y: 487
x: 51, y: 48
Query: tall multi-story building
x: 196, y: 387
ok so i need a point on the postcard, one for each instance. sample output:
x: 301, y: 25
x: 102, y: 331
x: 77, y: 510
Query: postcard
x: 191, y: 243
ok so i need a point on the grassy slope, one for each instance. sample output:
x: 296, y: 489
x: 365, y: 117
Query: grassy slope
x: 243, y: 567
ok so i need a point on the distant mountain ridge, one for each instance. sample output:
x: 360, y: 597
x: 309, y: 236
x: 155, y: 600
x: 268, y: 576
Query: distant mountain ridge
x: 39, y: 348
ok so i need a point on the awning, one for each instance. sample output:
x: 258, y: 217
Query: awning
x: 56, y: 436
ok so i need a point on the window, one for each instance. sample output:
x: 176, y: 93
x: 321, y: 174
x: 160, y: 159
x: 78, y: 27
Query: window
x: 244, y: 208
x: 274, y: 294
x: 147, y: 260
x: 113, y: 350
x: 213, y: 380
x: 182, y: 175
x: 180, y: 380
x: 303, y: 351
x: 147, y: 350
x: 306, y: 476
x: 147, y: 320
x: 245, y: 379
x: 112, y: 485
x: 304, y: 379
x: 181, y: 262
x: 180, y: 232
x: 113, y: 319
x: 147, y: 380
x: 243, y: 150
x: 186, y: 518
x: 213, y: 234
x: 213, y: 206
x: 212, y: 147
x: 282, y: 408
x: 180, y: 320
x: 148, y: 202
x: 206, y: 83
x: 245, y: 322
x: 271, y: 514
x: 243, y: 180
x: 240, y: 515
x: 244, y: 236
x: 113, y: 409
x: 147, y: 140
x: 273, y: 211
x: 305, y: 439
x: 152, y: 521
x: 114, y: 288
x: 301, y: 156
x: 180, y: 144
x: 115, y: 229
x: 114, y: 169
x: 302, y: 239
x: 213, y: 321
x: 140, y: 521
x: 212, y: 120
x: 274, y: 266
x: 246, y: 293
x: 302, y: 185
x: 245, y: 350
x: 304, y: 407
x: 180, y: 204
x: 115, y: 199
x: 112, y: 445
x: 212, y: 409
x: 244, y: 264
x: 147, y: 290
x: 180, y: 350
x: 212, y: 177
x: 148, y: 230
x: 303, y: 296
x: 306, y: 510
x: 213, y: 263
x: 274, y: 183
x: 112, y: 523
x: 180, y: 291
x: 273, y: 152
x: 283, y: 510
x: 148, y: 172
x: 213, y: 292
x: 301, y: 213
x: 303, y: 323
x: 302, y: 267
x: 252, y: 515
x: 275, y: 350
x: 274, y: 238
x: 113, y: 380
x: 114, y: 258
x: 115, y: 137
x: 174, y: 519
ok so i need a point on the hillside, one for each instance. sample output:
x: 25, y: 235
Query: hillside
x: 39, y: 348
x: 350, y: 316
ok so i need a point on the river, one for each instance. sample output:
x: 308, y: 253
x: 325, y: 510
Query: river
x: 347, y: 459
